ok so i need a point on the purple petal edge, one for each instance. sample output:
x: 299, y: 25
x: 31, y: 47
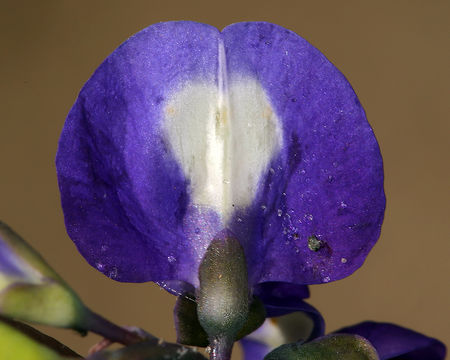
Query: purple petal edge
x: 284, y: 298
x: 393, y: 341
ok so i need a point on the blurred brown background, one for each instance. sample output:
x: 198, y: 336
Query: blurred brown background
x: 395, y: 54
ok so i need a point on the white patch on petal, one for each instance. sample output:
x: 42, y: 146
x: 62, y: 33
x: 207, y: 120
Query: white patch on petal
x: 224, y: 136
x: 256, y: 137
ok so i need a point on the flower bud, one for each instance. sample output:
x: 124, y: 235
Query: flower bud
x: 30, y: 290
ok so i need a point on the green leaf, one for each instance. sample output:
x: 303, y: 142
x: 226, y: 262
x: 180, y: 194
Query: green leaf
x: 331, y: 347
x: 40, y: 338
x: 16, y: 345
x: 30, y: 290
x: 149, y: 351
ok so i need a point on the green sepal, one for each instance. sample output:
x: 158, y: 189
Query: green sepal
x: 223, y: 294
x: 331, y: 347
x: 188, y: 328
x: 295, y: 327
x: 256, y: 317
x: 16, y: 345
x: 31, y: 291
x: 149, y: 350
x: 190, y: 332
x: 40, y: 338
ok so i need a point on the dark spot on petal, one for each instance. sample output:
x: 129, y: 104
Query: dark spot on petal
x: 314, y: 244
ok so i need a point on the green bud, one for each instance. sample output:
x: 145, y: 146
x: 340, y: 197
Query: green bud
x: 30, y: 290
x: 331, y: 347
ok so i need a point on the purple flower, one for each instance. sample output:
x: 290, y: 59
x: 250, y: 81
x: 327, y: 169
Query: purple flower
x: 394, y: 342
x: 290, y: 319
x: 390, y: 341
x: 184, y: 132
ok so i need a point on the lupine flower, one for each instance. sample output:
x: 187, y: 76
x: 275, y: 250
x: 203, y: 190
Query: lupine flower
x: 185, y: 131
x: 287, y: 325
x: 290, y: 319
x: 393, y: 341
x: 191, y: 149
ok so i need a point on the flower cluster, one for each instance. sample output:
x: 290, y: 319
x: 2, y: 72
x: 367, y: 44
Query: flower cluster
x: 233, y: 168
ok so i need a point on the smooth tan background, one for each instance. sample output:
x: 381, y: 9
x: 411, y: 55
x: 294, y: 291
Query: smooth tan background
x: 395, y: 54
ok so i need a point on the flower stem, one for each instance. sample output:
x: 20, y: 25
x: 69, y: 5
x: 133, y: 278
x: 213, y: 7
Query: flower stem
x: 221, y: 349
x: 99, y: 325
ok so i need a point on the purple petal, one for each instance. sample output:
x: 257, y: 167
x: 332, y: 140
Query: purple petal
x: 275, y: 310
x: 254, y: 350
x: 183, y: 132
x: 10, y: 264
x: 284, y: 298
x: 326, y: 184
x: 19, y: 263
x: 273, y: 291
x: 289, y: 325
x: 124, y: 197
x: 281, y: 299
x: 393, y: 341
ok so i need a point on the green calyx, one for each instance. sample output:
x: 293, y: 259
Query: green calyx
x: 190, y: 332
x: 223, y: 294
